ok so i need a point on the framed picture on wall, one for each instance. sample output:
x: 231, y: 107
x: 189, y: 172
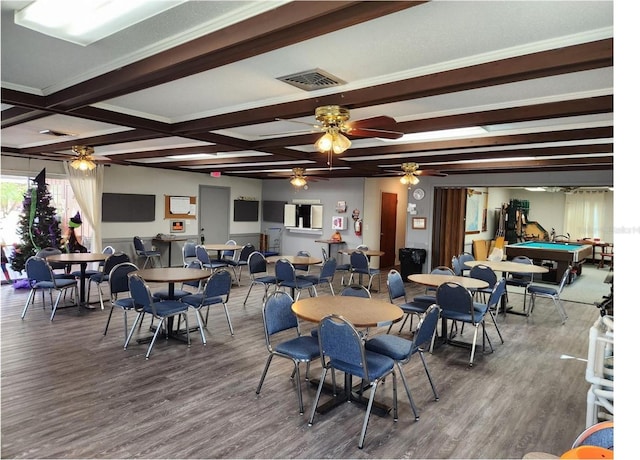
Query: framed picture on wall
x: 177, y: 226
x: 419, y: 223
x: 338, y: 223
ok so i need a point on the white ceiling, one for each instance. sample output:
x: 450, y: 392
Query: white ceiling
x: 426, y: 39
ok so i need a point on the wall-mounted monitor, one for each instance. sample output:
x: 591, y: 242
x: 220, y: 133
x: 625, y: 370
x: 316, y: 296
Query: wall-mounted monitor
x: 246, y: 211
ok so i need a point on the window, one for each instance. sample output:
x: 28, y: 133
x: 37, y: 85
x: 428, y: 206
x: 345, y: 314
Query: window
x: 12, y: 190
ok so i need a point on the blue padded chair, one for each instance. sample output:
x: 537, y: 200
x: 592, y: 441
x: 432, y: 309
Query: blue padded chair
x: 41, y: 277
x: 163, y: 294
x: 550, y: 293
x: 203, y: 256
x: 356, y: 290
x: 46, y: 252
x: 360, y: 266
x: 242, y: 261
x: 455, y: 266
x: 162, y: 310
x: 142, y: 251
x: 465, y: 257
x: 103, y: 276
x: 119, y: 284
x: 304, y: 268
x: 278, y: 317
x: 456, y: 303
x: 484, y: 273
x: 258, y: 274
x: 522, y: 280
x: 429, y: 295
x: 286, y: 276
x: 396, y: 290
x: 326, y: 275
x: 401, y: 350
x: 216, y: 292
x: 342, y: 349
x: 493, y: 304
x: 188, y: 253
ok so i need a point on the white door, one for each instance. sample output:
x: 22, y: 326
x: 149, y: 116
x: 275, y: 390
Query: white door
x: 214, y: 212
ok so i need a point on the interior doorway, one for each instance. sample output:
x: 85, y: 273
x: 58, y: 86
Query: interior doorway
x: 388, y: 214
x: 214, y: 213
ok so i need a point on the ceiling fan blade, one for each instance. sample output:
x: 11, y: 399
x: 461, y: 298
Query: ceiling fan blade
x: 431, y: 172
x: 300, y: 122
x: 382, y: 121
x: 371, y: 132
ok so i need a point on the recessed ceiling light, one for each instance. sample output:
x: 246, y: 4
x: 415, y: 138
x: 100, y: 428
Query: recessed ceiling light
x: 86, y: 21
x: 440, y: 134
x: 53, y: 132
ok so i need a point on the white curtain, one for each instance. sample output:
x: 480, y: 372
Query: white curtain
x: 584, y: 215
x: 87, y: 187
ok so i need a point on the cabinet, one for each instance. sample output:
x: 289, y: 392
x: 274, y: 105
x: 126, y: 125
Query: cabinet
x: 303, y: 216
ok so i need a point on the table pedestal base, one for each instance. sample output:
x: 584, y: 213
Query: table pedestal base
x: 350, y: 396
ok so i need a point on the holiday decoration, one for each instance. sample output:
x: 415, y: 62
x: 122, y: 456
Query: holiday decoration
x: 38, y: 226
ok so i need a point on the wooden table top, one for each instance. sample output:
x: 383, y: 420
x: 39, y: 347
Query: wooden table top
x: 434, y: 280
x: 509, y: 266
x: 361, y: 312
x: 296, y: 260
x: 222, y: 247
x: 78, y: 257
x: 172, y: 274
x: 368, y: 252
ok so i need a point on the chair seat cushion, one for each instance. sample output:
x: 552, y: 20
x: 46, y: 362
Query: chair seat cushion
x: 542, y: 290
x: 127, y: 303
x: 377, y: 364
x: 99, y: 277
x: 195, y: 300
x: 47, y: 284
x: 393, y: 346
x: 163, y: 294
x: 425, y: 298
x: 465, y: 317
x: 303, y: 348
x: 267, y: 279
x: 87, y: 273
x: 518, y: 282
x: 414, y: 307
x: 167, y: 308
x: 343, y: 267
x: 299, y: 283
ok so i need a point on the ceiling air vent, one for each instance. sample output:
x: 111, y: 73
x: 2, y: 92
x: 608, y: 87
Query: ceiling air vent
x: 310, y: 80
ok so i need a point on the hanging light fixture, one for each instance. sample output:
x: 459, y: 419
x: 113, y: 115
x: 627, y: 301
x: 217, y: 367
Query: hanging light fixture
x: 298, y: 179
x: 84, y: 161
x: 332, y: 141
x: 409, y: 177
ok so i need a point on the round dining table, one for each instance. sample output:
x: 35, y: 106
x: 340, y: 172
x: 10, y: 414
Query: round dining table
x: 172, y: 275
x: 360, y: 311
x: 221, y: 247
x: 435, y: 280
x: 368, y: 252
x: 81, y: 258
x: 507, y: 266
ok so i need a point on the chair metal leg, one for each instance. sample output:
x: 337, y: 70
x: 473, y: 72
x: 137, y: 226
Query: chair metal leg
x: 264, y: 373
x: 424, y: 363
x: 200, y: 327
x: 135, y: 323
x: 226, y: 312
x: 406, y: 387
x: 155, y: 336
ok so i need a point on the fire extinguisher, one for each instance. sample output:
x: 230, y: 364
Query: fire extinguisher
x: 358, y: 227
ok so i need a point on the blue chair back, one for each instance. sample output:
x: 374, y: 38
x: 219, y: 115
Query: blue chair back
x: 257, y: 263
x: 395, y: 286
x: 359, y: 262
x: 328, y: 269
x: 189, y: 249
x: 218, y: 285
x: 138, y: 245
x: 524, y: 277
x: 465, y: 257
x: 196, y: 264
x: 426, y: 328
x: 285, y: 272
x: 38, y: 269
x: 113, y: 260
x: 246, y: 251
x: 484, y: 273
x: 202, y: 255
x: 119, y: 279
x: 278, y: 315
x: 228, y: 254
x: 442, y: 270
x: 304, y: 267
x: 342, y: 344
x: 497, y: 293
x: 455, y: 298
x: 46, y: 252
x: 455, y: 265
x: 141, y: 294
x: 356, y: 290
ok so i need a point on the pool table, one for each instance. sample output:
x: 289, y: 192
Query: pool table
x: 563, y: 254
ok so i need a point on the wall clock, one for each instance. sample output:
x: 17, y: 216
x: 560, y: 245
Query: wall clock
x: 418, y: 194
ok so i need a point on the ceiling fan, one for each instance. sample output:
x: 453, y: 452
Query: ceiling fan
x: 82, y: 159
x: 410, y: 172
x: 298, y: 179
x: 334, y: 123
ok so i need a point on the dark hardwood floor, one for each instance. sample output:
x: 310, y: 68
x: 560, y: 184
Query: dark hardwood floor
x: 68, y: 391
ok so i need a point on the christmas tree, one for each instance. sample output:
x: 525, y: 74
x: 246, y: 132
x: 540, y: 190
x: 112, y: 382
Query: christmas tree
x: 38, y: 227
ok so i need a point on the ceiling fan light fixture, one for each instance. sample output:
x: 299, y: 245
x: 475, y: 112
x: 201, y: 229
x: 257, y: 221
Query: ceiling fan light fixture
x: 298, y: 179
x: 409, y: 177
x: 340, y: 143
x: 84, y: 161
